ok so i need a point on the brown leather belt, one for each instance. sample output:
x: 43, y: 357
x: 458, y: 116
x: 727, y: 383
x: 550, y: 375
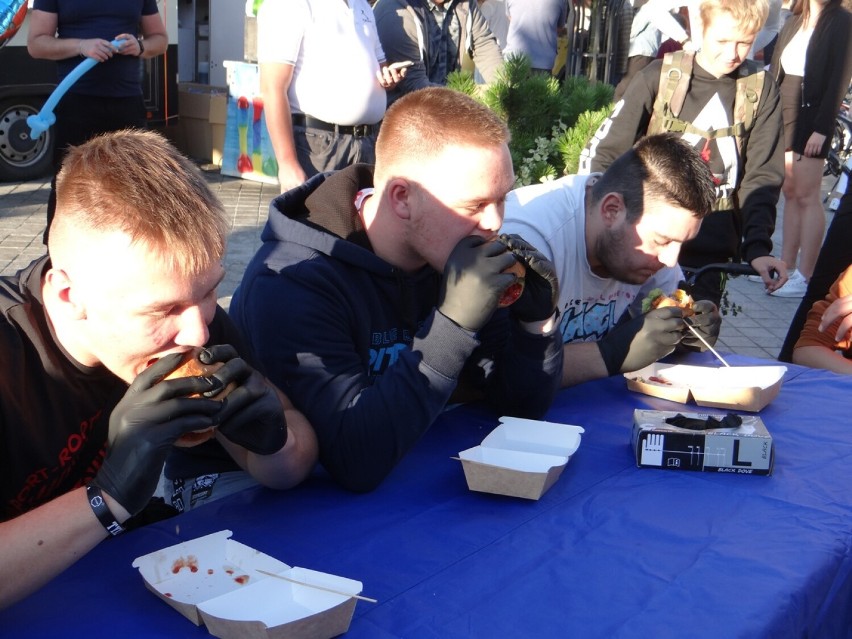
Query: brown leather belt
x: 357, y: 130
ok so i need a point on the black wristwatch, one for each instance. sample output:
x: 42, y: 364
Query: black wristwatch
x: 141, y: 47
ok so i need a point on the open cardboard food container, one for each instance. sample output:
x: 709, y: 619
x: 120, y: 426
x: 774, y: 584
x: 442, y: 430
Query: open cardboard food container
x: 748, y: 388
x: 520, y: 458
x: 216, y: 581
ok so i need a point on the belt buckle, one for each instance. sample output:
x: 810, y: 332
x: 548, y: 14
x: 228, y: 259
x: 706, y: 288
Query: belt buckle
x: 361, y: 130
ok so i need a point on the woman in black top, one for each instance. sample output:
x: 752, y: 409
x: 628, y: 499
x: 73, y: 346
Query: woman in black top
x: 812, y: 63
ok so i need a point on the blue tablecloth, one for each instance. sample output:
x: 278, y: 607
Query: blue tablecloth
x: 609, y: 551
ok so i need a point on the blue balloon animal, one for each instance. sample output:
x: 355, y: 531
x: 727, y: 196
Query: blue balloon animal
x: 44, y: 119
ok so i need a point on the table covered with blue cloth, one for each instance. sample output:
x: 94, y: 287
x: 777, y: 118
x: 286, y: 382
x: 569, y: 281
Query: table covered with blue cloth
x: 611, y: 550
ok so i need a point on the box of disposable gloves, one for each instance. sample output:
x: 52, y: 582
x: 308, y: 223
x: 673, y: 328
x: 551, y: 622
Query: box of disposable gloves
x: 715, y: 443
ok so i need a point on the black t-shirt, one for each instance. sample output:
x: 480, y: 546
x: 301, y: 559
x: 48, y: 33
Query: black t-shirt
x: 120, y: 76
x: 54, y: 412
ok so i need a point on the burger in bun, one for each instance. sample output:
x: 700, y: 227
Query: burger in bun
x: 191, y: 366
x: 515, y: 289
x: 657, y: 299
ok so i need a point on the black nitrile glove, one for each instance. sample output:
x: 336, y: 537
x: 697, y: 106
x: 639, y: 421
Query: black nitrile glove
x: 474, y: 281
x: 707, y: 321
x: 692, y: 423
x: 144, y: 425
x: 541, y: 286
x: 252, y: 415
x: 642, y: 340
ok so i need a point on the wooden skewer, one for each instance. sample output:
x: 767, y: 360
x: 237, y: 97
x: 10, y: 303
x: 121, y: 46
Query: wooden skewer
x: 704, y: 341
x: 304, y: 583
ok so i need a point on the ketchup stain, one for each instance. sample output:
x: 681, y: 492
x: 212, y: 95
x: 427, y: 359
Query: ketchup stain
x: 190, y: 562
x: 511, y: 294
x: 242, y: 579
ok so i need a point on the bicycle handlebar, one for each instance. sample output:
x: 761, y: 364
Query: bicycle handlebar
x: 731, y: 268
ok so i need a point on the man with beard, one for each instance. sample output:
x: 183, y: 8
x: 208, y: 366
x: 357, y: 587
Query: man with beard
x: 614, y: 237
x: 728, y: 108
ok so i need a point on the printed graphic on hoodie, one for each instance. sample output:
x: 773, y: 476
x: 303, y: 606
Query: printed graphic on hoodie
x: 385, y: 347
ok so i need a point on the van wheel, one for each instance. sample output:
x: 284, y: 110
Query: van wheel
x: 21, y: 157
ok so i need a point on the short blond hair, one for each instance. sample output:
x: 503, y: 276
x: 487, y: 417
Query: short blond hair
x: 749, y: 14
x: 421, y: 124
x: 136, y: 182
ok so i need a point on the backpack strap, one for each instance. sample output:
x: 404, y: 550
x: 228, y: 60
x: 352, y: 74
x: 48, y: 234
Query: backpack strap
x: 674, y: 84
x: 682, y: 61
x: 749, y: 87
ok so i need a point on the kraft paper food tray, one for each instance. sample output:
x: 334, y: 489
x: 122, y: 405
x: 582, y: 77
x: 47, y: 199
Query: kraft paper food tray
x: 520, y: 458
x: 748, y: 388
x: 215, y: 581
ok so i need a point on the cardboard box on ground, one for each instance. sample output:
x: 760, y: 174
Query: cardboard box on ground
x: 203, y: 111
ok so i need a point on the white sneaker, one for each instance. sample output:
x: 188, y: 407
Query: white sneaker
x: 795, y: 286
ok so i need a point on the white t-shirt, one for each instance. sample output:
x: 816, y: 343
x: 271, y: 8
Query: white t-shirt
x: 650, y: 23
x: 794, y: 54
x: 551, y: 217
x: 335, y: 51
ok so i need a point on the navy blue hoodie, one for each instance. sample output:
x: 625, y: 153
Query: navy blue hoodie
x: 358, y: 344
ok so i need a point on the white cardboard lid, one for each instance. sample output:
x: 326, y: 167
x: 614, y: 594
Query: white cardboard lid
x: 535, y: 436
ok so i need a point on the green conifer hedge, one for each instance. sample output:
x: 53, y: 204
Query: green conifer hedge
x: 550, y: 121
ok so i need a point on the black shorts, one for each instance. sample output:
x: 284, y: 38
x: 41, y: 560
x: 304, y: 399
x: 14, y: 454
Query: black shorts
x: 798, y: 122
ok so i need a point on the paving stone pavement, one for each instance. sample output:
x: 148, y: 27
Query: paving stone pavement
x: 758, y: 329
x: 22, y: 221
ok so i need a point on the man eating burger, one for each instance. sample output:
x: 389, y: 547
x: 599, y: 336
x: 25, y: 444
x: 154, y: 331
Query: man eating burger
x: 87, y: 335
x: 614, y: 237
x: 375, y: 296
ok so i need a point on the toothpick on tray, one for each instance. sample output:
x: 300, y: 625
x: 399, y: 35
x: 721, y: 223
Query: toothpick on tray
x: 707, y: 344
x: 305, y: 583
